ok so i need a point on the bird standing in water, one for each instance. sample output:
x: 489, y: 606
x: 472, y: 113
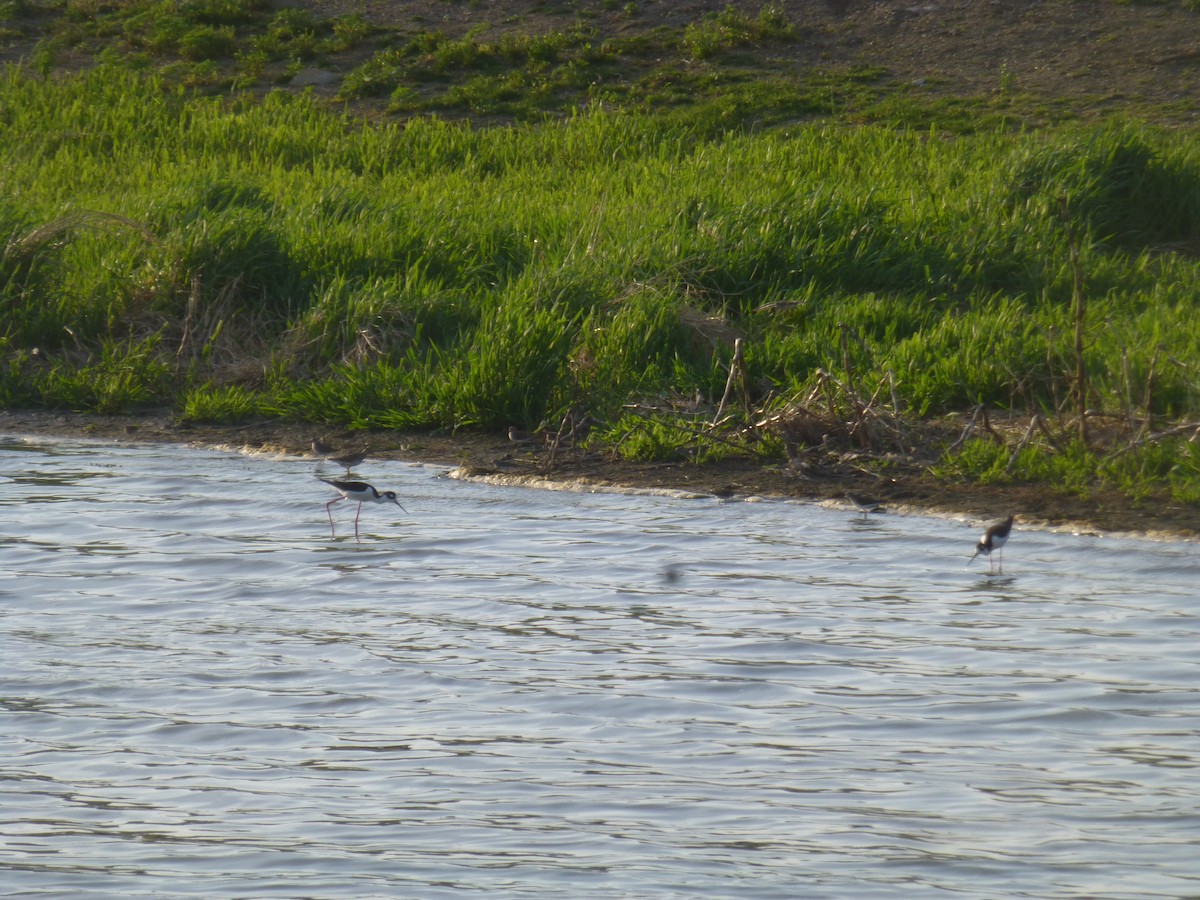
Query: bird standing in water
x: 865, y: 505
x: 994, y: 537
x: 363, y: 493
x: 346, y: 460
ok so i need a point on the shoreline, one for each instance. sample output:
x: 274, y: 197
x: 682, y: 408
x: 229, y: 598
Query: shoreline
x: 482, y: 456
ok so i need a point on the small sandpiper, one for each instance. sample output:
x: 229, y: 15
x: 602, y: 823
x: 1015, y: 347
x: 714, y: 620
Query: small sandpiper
x: 994, y: 537
x: 346, y: 460
x: 363, y: 493
x: 517, y: 436
x: 865, y: 505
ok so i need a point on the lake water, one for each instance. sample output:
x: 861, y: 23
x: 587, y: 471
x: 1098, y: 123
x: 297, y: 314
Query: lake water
x: 533, y: 693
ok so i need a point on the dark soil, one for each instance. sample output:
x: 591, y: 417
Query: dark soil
x: 907, y: 487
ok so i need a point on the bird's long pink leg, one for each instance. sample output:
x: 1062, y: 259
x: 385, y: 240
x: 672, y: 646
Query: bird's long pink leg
x: 356, y: 515
x: 329, y: 512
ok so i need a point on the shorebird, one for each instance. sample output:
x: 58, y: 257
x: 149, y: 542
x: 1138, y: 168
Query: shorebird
x: 865, y: 505
x: 517, y: 436
x: 346, y: 460
x: 994, y: 537
x: 363, y: 493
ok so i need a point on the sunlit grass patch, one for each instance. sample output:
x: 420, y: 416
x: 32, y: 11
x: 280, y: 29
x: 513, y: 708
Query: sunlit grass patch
x: 642, y: 439
x: 220, y: 403
x: 731, y: 28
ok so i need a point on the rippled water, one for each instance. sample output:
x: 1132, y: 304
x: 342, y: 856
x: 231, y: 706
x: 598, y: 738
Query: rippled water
x: 536, y: 693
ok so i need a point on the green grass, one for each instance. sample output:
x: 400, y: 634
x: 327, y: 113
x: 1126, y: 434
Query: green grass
x: 236, y: 257
x: 223, y: 403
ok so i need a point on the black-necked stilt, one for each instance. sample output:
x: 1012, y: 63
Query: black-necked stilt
x: 363, y: 493
x: 346, y: 460
x: 994, y: 537
x: 865, y: 506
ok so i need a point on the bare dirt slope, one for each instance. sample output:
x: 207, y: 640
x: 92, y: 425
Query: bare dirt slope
x: 1095, y: 53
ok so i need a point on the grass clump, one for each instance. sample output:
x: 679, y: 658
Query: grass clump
x: 119, y: 377
x: 731, y: 28
x: 220, y: 403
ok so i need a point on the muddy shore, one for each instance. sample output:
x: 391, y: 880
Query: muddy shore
x: 905, y: 489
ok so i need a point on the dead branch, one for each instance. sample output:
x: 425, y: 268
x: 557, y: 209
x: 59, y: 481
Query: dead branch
x: 737, y: 375
x: 979, y: 413
x: 1012, y: 460
x: 1154, y: 438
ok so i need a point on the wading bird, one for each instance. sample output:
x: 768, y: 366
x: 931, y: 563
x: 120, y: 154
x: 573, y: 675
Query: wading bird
x: 994, y: 537
x: 346, y: 460
x: 363, y: 493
